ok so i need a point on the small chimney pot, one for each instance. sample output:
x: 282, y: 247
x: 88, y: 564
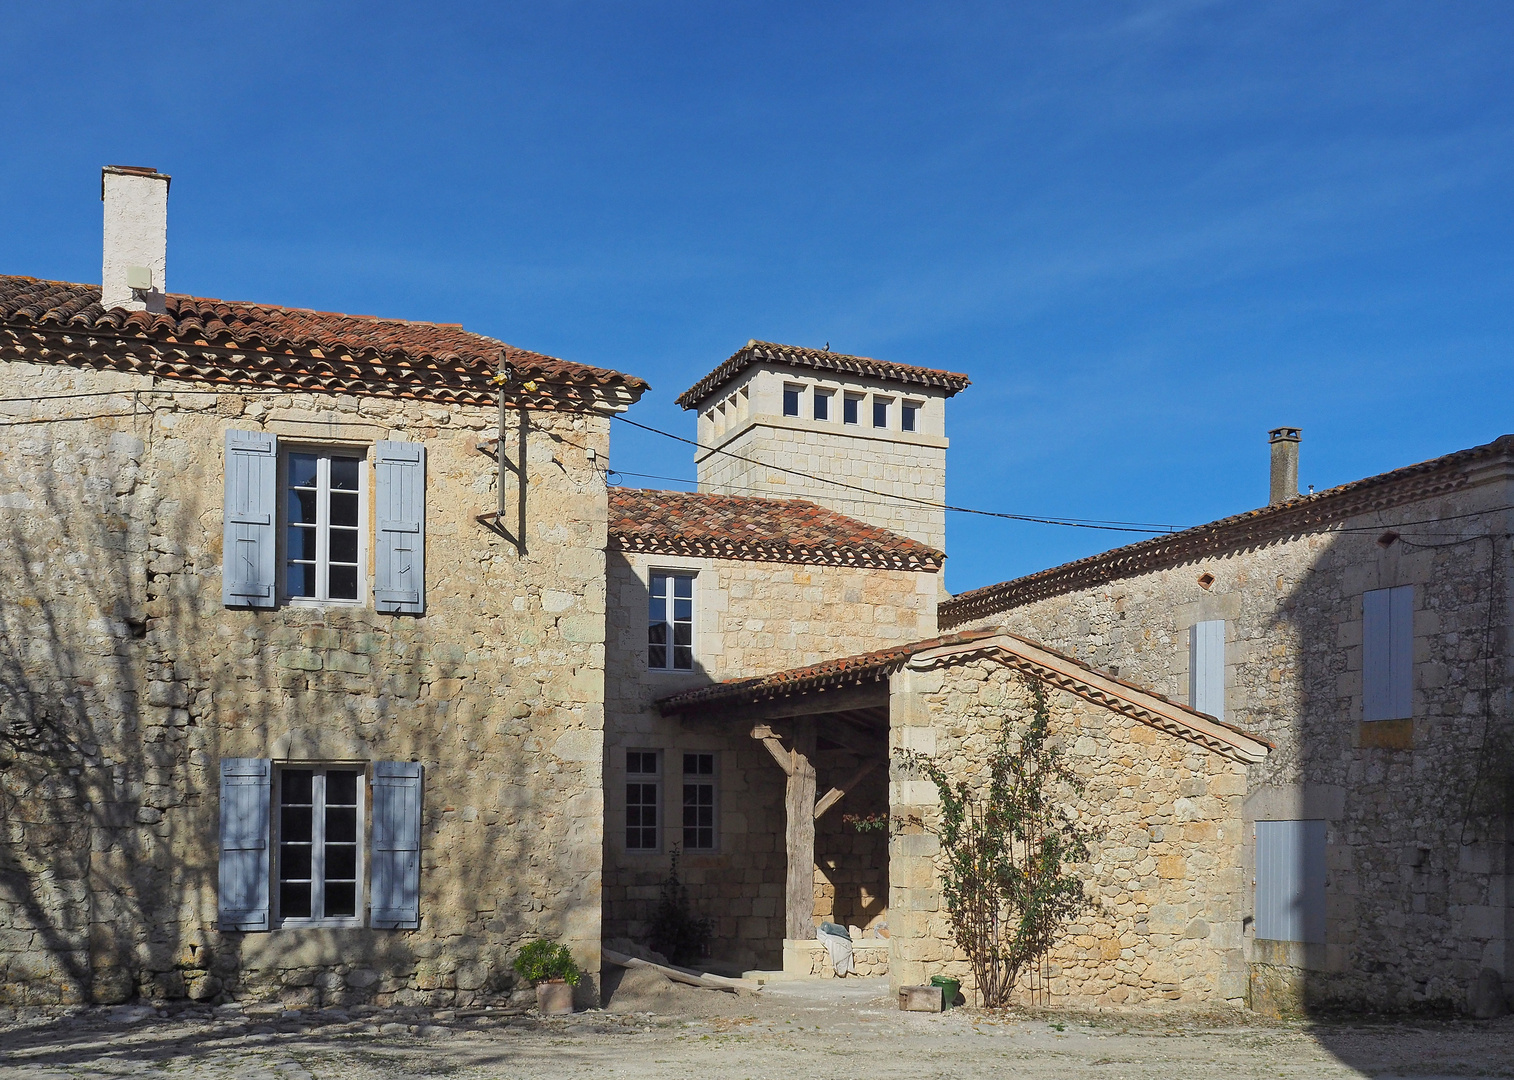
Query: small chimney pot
x: 134, y: 263
x: 1284, y: 485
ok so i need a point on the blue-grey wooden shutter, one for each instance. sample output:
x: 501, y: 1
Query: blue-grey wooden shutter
x: 1290, y: 880
x: 242, y: 900
x: 1206, y: 668
x: 399, y: 579
x: 248, y: 559
x: 1388, y: 654
x: 396, y: 878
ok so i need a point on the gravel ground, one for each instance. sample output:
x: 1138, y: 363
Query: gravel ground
x: 789, y: 1031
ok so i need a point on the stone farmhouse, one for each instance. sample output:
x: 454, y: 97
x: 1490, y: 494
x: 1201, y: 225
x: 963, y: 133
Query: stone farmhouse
x: 334, y: 671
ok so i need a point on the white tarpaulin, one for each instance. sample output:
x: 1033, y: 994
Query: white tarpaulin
x: 839, y: 946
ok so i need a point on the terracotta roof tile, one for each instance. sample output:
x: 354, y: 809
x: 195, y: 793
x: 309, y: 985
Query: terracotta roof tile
x: 765, y: 530
x: 1306, y: 514
x: 756, y: 352
x: 263, y: 345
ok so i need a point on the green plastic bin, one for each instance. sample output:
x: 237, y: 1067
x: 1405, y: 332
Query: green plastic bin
x: 950, y: 988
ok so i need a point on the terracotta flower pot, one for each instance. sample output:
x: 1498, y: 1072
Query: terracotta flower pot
x: 554, y: 998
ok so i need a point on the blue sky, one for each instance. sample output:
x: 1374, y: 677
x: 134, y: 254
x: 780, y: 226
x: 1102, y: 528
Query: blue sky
x: 1148, y: 231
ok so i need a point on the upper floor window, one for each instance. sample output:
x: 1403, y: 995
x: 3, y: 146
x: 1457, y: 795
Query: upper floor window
x: 1388, y: 654
x: 850, y: 405
x: 670, y: 629
x: 791, y: 400
x: 880, y: 412
x: 324, y: 495
x: 909, y: 416
x: 822, y: 404
x: 1206, y: 667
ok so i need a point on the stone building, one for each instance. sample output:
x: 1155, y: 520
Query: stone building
x: 295, y: 702
x: 1363, y: 630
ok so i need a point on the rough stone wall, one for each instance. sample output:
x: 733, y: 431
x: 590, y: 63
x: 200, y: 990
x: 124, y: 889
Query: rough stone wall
x: 1418, y: 899
x: 750, y: 618
x: 1164, y: 884
x: 123, y: 682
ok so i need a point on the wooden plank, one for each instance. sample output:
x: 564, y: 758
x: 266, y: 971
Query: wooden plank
x: 836, y: 794
x: 809, y: 703
x: 799, y: 836
x: 682, y: 975
x: 769, y: 739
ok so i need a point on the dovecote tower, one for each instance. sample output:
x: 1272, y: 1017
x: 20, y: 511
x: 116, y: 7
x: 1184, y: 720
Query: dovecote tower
x: 863, y: 437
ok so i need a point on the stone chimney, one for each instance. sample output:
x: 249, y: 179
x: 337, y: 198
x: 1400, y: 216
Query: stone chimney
x: 135, y: 265
x: 1284, y: 465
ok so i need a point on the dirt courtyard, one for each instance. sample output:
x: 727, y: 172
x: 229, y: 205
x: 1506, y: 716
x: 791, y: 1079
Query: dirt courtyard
x: 795, y: 1031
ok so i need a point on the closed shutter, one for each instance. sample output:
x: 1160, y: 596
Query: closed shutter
x: 1206, y: 668
x: 399, y: 579
x: 396, y: 844
x: 1290, y: 880
x: 242, y: 900
x: 248, y: 558
x: 1388, y: 654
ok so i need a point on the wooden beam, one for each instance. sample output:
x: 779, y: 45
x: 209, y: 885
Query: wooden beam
x: 835, y: 795
x: 769, y: 739
x: 799, y: 836
x: 812, y: 703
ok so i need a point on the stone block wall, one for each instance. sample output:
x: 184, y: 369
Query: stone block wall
x: 750, y: 618
x: 1418, y: 891
x: 1164, y: 888
x: 124, y: 682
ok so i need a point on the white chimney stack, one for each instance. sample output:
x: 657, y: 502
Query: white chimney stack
x: 135, y: 266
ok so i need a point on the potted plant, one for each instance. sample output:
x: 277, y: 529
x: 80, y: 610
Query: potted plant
x: 550, y: 968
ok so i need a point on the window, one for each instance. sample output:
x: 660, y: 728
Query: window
x: 1206, y: 668
x: 822, y: 404
x: 791, y: 400
x: 1388, y: 654
x: 305, y: 828
x: 1290, y: 880
x: 323, y: 540
x: 908, y: 415
x: 880, y: 412
x: 320, y: 849
x: 850, y: 404
x: 641, y: 800
x: 670, y: 630
x: 699, y: 802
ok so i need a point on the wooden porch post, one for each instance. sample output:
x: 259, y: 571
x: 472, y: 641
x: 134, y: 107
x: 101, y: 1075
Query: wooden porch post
x: 799, y: 837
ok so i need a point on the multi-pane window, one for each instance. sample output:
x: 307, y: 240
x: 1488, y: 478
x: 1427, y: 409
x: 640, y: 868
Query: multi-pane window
x: 822, y: 404
x: 319, y: 846
x: 323, y: 548
x: 641, y: 800
x: 849, y: 406
x: 698, y: 802
x: 909, y: 414
x: 880, y: 412
x: 670, y: 623
x: 791, y: 400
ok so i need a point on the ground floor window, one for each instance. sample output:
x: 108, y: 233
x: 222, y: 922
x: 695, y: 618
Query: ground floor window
x: 642, y: 787
x: 320, y: 845
x: 1290, y: 880
x: 698, y: 802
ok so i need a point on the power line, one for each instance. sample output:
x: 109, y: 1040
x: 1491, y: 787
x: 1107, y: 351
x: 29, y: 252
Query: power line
x: 1071, y: 523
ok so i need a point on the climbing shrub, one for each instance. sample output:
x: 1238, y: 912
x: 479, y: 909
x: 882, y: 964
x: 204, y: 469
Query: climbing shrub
x: 676, y: 931
x: 1006, y: 847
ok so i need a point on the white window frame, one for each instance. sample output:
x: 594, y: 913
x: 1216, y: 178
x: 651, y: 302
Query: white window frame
x: 886, y: 404
x: 319, y: 771
x: 822, y: 403
x: 699, y: 779
x: 323, y: 455
x: 798, y: 392
x: 654, y: 780
x: 851, y: 403
x: 910, y: 410
x: 669, y: 620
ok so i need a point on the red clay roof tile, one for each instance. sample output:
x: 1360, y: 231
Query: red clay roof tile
x: 756, y: 352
